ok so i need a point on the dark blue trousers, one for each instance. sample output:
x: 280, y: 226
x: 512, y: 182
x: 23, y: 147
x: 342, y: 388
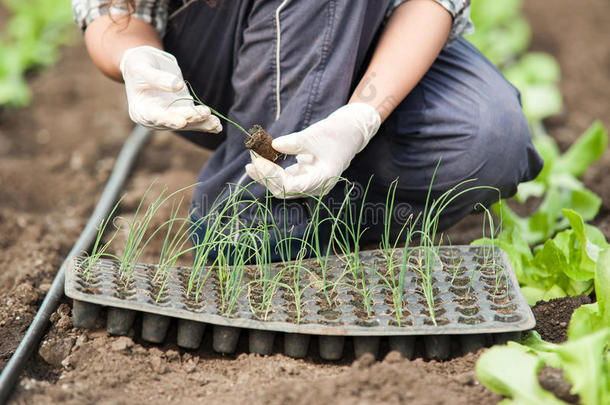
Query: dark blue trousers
x: 285, y: 64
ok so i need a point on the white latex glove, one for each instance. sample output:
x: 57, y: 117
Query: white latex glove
x: 324, y: 150
x: 157, y: 95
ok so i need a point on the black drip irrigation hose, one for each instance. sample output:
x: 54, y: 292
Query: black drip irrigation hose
x: 136, y: 141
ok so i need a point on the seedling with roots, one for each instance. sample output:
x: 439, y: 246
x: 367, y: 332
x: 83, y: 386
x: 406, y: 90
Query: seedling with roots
x: 257, y: 139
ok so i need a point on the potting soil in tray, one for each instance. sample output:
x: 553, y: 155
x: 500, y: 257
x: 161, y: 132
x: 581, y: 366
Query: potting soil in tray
x: 470, y: 296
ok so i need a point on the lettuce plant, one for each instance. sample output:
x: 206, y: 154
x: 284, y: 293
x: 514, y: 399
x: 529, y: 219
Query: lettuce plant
x: 503, y: 35
x: 584, y: 358
x: 558, y: 186
x: 596, y: 316
x: 585, y: 362
x: 501, y: 31
x: 518, y: 382
x: 564, y: 265
x: 31, y: 39
x: 537, y: 75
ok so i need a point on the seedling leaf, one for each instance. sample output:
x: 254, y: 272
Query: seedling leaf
x: 585, y: 151
x: 518, y: 380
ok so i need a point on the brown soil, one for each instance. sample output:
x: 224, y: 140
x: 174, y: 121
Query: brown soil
x: 260, y: 142
x: 552, y: 380
x: 576, y: 33
x: 554, y: 316
x: 54, y: 160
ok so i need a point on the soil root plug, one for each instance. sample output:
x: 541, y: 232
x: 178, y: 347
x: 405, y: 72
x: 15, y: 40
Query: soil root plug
x: 259, y: 141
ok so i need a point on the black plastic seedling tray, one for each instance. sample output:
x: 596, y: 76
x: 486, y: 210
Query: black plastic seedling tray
x: 475, y: 304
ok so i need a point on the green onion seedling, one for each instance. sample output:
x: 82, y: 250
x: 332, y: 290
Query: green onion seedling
x: 136, y: 242
x: 99, y: 249
x: 257, y: 139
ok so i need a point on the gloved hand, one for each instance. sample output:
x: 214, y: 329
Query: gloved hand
x: 157, y: 95
x: 324, y: 150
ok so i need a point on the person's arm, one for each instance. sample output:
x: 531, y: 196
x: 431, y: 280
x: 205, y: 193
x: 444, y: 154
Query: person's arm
x: 411, y: 41
x: 108, y: 38
x: 126, y: 48
x: 413, y: 38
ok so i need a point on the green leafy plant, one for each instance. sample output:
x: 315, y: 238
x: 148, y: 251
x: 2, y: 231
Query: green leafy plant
x: 551, y: 270
x: 501, y: 31
x: 558, y: 186
x: 584, y: 358
x: 31, y: 39
x: 563, y: 265
x: 503, y: 35
x: 537, y: 75
x: 560, y: 266
x: 518, y: 382
x: 584, y: 361
x: 594, y: 317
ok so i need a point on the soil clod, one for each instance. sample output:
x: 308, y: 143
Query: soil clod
x: 259, y: 141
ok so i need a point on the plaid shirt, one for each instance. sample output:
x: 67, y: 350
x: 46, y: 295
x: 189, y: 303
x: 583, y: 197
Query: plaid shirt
x: 155, y: 12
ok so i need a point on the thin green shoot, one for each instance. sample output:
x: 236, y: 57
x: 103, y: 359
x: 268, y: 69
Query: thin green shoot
x: 136, y: 243
x: 99, y: 249
x: 297, y: 276
x: 220, y: 225
x: 347, y: 239
x: 394, y: 275
x: 430, y: 223
x: 230, y: 276
x: 386, y: 246
x: 323, y: 259
x: 170, y: 244
x: 174, y: 249
x: 284, y: 236
x: 455, y: 263
x: 320, y: 215
x: 198, y: 101
x: 489, y: 252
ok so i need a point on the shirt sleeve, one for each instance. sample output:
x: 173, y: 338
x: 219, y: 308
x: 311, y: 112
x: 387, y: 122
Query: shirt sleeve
x: 459, y: 10
x: 153, y: 12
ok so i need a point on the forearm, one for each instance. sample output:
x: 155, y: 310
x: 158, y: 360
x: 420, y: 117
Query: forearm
x: 411, y: 41
x: 108, y: 38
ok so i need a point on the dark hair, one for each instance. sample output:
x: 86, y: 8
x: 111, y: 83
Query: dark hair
x: 131, y: 4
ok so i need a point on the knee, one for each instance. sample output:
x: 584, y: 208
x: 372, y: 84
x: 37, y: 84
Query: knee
x: 502, y: 144
x: 501, y: 119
